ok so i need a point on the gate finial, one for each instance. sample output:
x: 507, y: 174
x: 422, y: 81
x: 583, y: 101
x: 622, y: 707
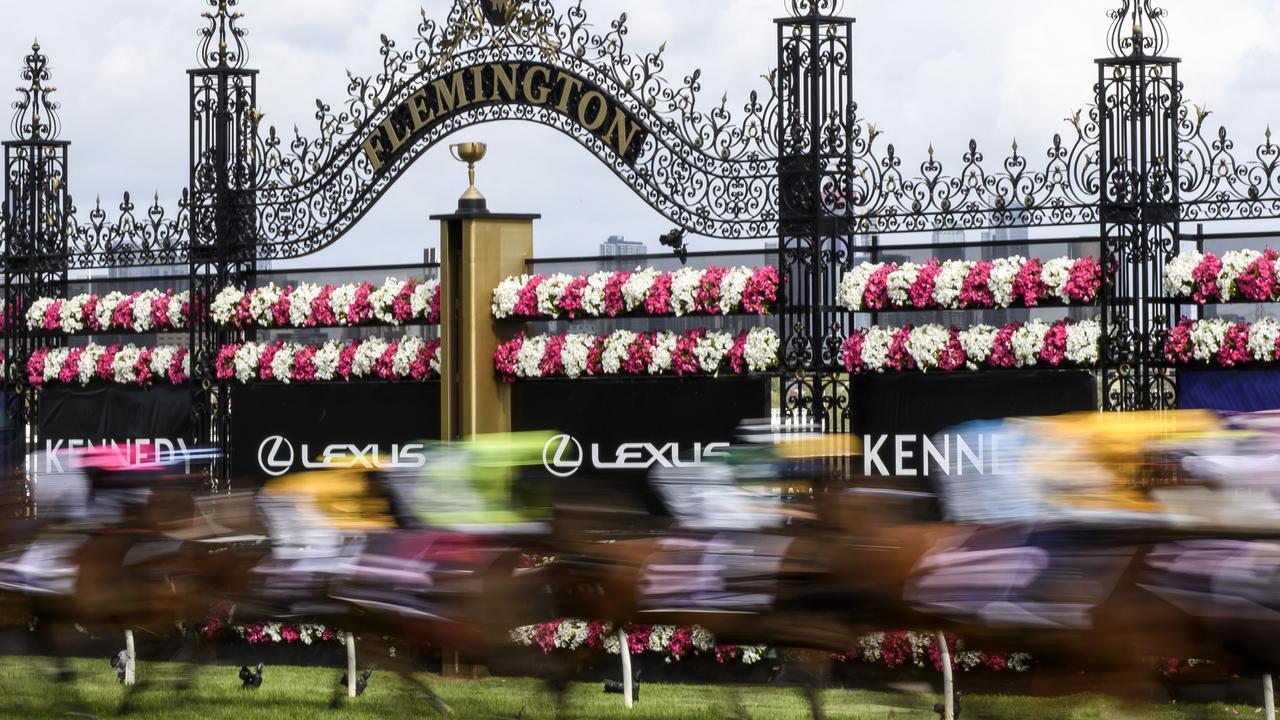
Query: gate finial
x: 35, y: 114
x: 1137, y: 28
x: 803, y: 8
x: 222, y: 42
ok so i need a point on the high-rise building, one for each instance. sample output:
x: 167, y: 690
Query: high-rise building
x: 618, y: 246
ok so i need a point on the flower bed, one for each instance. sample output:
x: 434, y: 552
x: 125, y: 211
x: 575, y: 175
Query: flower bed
x: 149, y: 311
x: 688, y: 291
x: 125, y: 365
x: 929, y: 347
x: 1223, y: 343
x: 967, y: 284
x: 627, y: 353
x: 309, y: 305
x: 904, y: 649
x: 671, y: 642
x: 1237, y: 275
x: 408, y: 358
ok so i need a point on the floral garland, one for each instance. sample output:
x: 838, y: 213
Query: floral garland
x: 899, y: 649
x: 1225, y: 343
x: 674, y: 643
x: 125, y: 365
x: 958, y: 284
x: 928, y: 347
x: 311, y: 305
x: 688, y: 291
x: 147, y: 311
x: 623, y: 352
x: 1237, y: 275
x: 409, y: 358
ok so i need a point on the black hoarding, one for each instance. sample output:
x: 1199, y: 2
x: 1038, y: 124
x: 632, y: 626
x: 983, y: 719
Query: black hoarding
x: 622, y: 428
x: 899, y: 415
x: 71, y: 416
x: 281, y: 428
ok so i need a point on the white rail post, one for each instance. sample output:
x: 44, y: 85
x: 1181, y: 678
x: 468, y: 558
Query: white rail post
x: 130, y: 659
x: 948, y: 680
x: 1268, y: 697
x: 626, y: 668
x: 351, y: 664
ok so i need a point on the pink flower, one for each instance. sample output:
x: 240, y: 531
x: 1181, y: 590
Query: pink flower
x: 160, y: 311
x: 421, y: 367
x: 684, y: 361
x: 178, y: 375
x: 304, y: 365
x: 35, y: 366
x: 280, y: 308
x: 921, y: 291
x: 1235, y: 346
x: 1178, y: 347
x: 638, y: 638
x: 953, y: 355
x: 507, y: 357
x: 725, y: 653
x: 851, y: 352
x: 876, y: 294
x: 595, y: 357
x: 1205, y: 277
x: 142, y: 366
x: 544, y: 635
x: 361, y: 309
x: 433, y: 312
x: 254, y: 634
x: 108, y: 358
x: 761, y: 291
x: 996, y: 662
x: 595, y: 635
x: 614, y: 302
x: 243, y: 317
x: 895, y: 649
x: 571, y: 303
x: 402, y: 303
x: 1002, y: 355
x: 1028, y: 285
x: 321, y: 310
x: 639, y: 355
x: 384, y: 366
x: 680, y: 643
x: 899, y: 358
x: 976, y: 289
x: 935, y: 652
x: 346, y: 360
x: 527, y: 299
x: 225, y: 365
x: 1258, y: 281
x: 1054, y: 351
x: 707, y: 298
x: 290, y: 633
x: 737, y: 355
x: 71, y: 368
x: 552, y: 364
x: 122, y: 317
x: 53, y: 315
x: 1085, y: 280
x: 268, y: 354
x: 657, y: 300
x: 91, y: 313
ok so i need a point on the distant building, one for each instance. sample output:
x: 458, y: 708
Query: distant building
x: 618, y: 246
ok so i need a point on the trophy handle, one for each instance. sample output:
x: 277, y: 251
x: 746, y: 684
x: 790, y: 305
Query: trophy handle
x: 453, y: 150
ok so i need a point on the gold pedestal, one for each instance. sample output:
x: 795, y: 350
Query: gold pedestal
x: 478, y: 251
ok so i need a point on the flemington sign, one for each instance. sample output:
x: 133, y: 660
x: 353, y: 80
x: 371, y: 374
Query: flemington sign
x: 537, y: 85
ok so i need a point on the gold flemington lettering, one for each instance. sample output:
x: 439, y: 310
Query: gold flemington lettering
x: 506, y: 81
x: 568, y: 85
x: 601, y: 114
x: 452, y: 96
x: 396, y: 141
x: 622, y: 137
x: 371, y: 146
x: 422, y: 115
x: 477, y: 78
x: 544, y: 91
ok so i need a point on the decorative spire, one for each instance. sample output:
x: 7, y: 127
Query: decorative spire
x: 1137, y: 28
x: 814, y: 8
x: 35, y: 114
x: 222, y: 42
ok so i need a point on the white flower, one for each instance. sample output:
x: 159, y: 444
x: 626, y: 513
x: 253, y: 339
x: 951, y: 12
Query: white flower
x: 367, y: 355
x: 161, y: 358
x: 122, y: 366
x: 684, y: 290
x: 247, y: 358
x: 260, y: 302
x: 577, y: 348
x: 593, y: 293
x: 406, y: 353
x: 143, y: 320
x: 752, y: 654
x: 1179, y: 279
x: 54, y: 362
x: 664, y: 346
x: 732, y: 285
x: 900, y: 282
x: 711, y: 349
x: 421, y: 299
x: 551, y: 292
x: 875, y: 348
x: 853, y: 286
x: 950, y: 281
x: 1003, y: 273
x: 978, y: 343
x: 761, y: 349
x: 1262, y: 339
x: 223, y: 308
x: 382, y: 298
x: 506, y: 295
x: 636, y: 288
x: 1234, y: 263
x: 529, y: 361
x: 107, y: 308
x: 1028, y: 341
x: 1083, y: 342
x: 71, y: 315
x: 282, y: 362
x: 1056, y: 274
x: 1207, y: 337
x: 88, y: 369
x: 340, y: 302
x: 35, y: 313
x: 326, y: 360
x: 615, y: 350
x: 300, y: 303
x: 926, y: 343
x: 178, y: 318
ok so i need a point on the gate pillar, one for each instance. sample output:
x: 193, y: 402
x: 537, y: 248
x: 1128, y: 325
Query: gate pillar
x: 478, y: 251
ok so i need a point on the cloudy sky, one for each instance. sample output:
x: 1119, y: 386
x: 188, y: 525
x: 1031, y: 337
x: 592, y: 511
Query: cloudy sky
x: 927, y: 71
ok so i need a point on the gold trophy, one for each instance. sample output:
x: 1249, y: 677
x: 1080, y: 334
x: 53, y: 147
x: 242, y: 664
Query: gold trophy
x: 470, y: 153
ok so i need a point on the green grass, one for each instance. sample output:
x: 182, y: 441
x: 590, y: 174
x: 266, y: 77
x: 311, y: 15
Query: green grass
x: 26, y: 691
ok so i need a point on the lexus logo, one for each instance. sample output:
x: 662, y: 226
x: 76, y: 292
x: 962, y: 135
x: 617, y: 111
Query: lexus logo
x: 562, y: 456
x: 275, y: 456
